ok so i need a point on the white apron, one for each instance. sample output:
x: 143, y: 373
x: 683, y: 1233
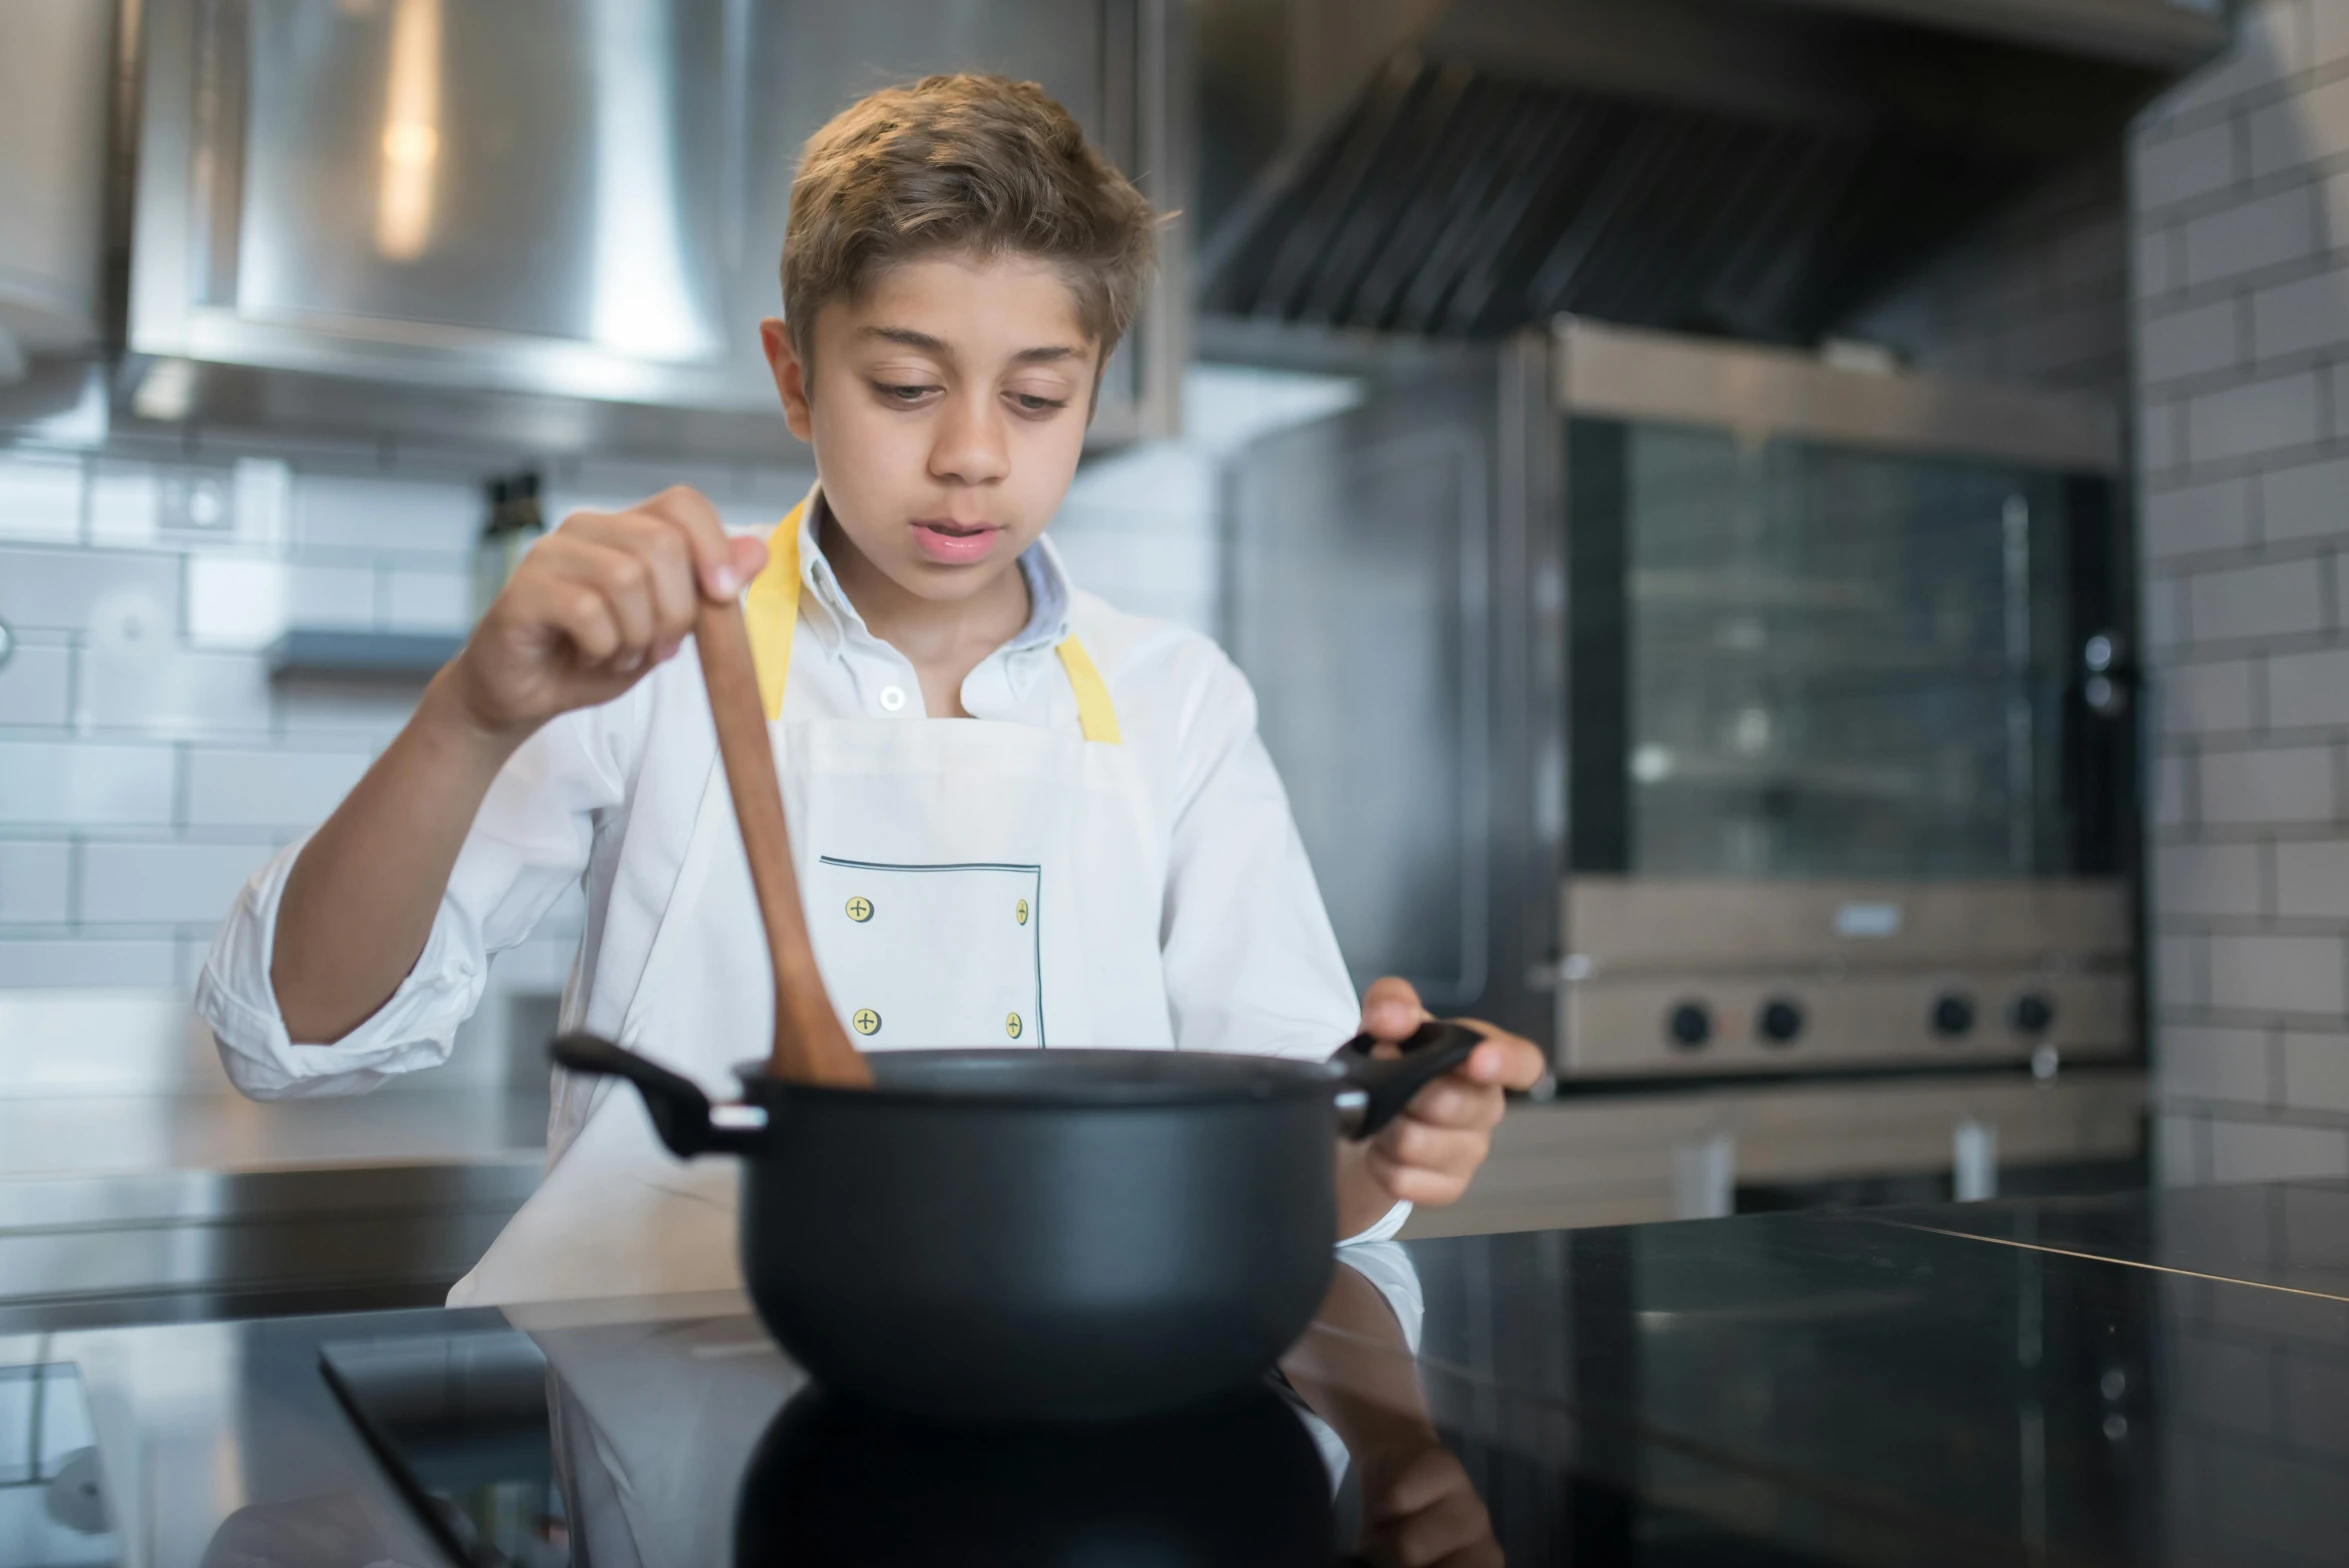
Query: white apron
x: 968, y: 883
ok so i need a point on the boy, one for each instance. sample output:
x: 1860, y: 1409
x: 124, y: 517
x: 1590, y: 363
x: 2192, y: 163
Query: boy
x: 1020, y: 815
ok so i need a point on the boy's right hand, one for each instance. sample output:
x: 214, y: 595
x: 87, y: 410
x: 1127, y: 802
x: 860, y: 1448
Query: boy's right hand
x: 596, y: 604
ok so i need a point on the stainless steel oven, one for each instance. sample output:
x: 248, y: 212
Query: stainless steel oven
x: 1849, y: 775
x: 1753, y: 729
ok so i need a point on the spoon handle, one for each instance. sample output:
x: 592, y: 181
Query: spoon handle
x: 810, y: 1045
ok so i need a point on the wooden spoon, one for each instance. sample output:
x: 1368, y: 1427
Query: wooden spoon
x: 810, y: 1045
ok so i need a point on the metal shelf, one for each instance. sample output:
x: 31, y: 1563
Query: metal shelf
x: 1754, y: 592
x: 337, y: 654
x: 1894, y: 785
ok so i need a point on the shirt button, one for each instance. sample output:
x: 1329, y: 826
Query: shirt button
x: 892, y: 698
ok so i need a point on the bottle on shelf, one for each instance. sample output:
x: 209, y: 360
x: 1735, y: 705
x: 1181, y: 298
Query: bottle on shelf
x: 515, y: 523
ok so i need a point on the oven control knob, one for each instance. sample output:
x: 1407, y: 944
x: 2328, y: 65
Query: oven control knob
x: 1953, y: 1015
x: 1781, y: 1020
x: 1689, y: 1026
x: 2032, y: 1013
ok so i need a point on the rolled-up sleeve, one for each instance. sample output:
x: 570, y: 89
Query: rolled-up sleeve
x: 531, y: 841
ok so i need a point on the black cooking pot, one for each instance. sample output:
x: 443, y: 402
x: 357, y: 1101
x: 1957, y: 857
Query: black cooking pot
x: 1021, y: 1235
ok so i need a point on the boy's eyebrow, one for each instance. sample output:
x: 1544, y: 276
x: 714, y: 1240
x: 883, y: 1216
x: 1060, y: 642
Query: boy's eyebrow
x: 911, y: 339
x: 927, y: 344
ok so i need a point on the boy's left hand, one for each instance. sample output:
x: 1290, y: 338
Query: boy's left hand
x: 1428, y: 1153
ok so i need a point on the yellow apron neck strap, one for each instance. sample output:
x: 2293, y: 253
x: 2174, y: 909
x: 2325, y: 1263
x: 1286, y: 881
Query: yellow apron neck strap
x: 1094, y: 709
x: 771, y: 609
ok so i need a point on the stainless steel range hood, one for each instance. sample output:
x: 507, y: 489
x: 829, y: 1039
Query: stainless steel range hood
x: 1753, y: 168
x: 2172, y: 35
x: 552, y: 224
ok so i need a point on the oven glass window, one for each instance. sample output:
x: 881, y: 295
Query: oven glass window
x: 1791, y: 659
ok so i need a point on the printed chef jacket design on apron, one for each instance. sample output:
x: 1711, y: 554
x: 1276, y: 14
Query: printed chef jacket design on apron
x: 968, y: 882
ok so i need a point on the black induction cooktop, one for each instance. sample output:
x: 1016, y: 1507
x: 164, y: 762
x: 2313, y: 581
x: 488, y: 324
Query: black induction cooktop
x: 2136, y: 1378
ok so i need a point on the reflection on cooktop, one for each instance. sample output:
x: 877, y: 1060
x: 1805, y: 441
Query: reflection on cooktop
x: 831, y: 1481
x: 2290, y: 1235
x: 2131, y: 1379
x: 695, y: 1442
x: 1240, y: 1486
x: 459, y: 1421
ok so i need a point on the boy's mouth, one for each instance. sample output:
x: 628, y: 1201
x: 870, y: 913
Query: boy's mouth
x: 950, y: 543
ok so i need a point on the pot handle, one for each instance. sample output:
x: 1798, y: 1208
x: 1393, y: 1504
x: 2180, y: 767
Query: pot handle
x: 680, y: 1111
x: 1378, y: 1087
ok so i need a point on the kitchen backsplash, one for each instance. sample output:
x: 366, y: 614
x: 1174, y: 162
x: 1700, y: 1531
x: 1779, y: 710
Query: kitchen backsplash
x: 148, y: 763
x: 2240, y: 219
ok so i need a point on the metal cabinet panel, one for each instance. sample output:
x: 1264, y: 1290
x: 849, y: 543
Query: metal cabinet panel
x: 1357, y: 598
x: 1647, y: 924
x: 527, y: 213
x: 53, y: 107
x: 531, y: 167
x: 1619, y: 1028
x: 1393, y: 591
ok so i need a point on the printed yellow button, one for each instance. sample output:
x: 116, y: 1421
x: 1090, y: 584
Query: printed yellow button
x: 860, y: 909
x: 866, y: 1020
x: 1023, y: 912
x: 1011, y: 1025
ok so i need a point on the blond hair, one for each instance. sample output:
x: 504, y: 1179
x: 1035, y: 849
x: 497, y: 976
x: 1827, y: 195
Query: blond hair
x: 964, y: 162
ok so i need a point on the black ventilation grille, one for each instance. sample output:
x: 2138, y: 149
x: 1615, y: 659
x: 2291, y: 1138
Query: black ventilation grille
x: 1455, y: 203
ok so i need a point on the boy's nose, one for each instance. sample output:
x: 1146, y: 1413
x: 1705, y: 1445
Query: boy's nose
x: 970, y: 447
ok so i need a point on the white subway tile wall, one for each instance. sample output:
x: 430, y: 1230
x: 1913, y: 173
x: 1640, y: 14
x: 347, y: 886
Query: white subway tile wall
x: 36, y: 883
x: 287, y: 786
x: 2202, y: 698
x: 2218, y: 1064
x: 2239, y: 215
x: 2259, y: 234
x: 2189, y: 164
x: 2247, y: 421
x: 41, y: 501
x: 147, y: 761
x: 2311, y: 880
x: 36, y: 685
x: 88, y: 962
x: 2316, y: 1071
x: 2197, y: 517
x: 2205, y: 338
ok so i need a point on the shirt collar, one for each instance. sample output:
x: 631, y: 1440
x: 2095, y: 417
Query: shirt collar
x: 1040, y: 567
x: 1048, y: 596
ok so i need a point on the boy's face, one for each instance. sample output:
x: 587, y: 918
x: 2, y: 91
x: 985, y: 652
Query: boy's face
x: 947, y: 409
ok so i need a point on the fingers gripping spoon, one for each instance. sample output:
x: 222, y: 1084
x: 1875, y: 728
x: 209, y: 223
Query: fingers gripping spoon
x: 810, y: 1046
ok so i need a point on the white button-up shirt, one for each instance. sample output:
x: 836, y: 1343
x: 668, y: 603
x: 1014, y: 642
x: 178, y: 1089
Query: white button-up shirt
x: 1251, y: 964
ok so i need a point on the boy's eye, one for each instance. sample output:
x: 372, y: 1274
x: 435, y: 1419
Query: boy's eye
x: 1032, y: 403
x: 902, y: 394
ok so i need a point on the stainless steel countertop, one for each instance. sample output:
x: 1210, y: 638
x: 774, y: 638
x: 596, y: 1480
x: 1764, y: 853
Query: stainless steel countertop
x: 169, y: 1208
x: 182, y: 1245
x: 91, y: 1135
x: 220, y: 1443
x: 227, y: 1431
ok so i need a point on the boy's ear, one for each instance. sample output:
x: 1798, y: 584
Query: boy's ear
x: 791, y: 376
